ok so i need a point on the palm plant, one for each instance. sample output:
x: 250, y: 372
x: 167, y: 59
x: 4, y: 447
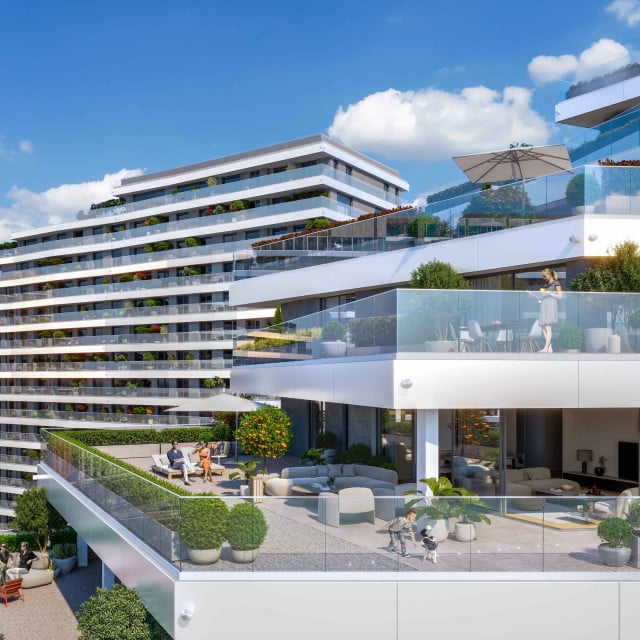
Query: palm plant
x: 439, y: 508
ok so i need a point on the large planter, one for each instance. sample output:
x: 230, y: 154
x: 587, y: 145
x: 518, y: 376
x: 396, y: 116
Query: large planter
x: 614, y: 556
x: 465, y: 531
x: 333, y: 349
x: 596, y: 339
x: 440, y: 528
x: 244, y: 556
x: 441, y: 346
x: 203, y: 556
x: 256, y: 488
x: 64, y: 565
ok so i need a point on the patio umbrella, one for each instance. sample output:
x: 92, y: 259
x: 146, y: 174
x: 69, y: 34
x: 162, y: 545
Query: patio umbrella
x: 516, y: 163
x: 219, y: 402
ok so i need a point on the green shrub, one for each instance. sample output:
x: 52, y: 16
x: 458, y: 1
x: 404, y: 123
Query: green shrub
x: 571, y: 336
x: 326, y: 440
x: 64, y: 550
x: 616, y: 531
x: 246, y: 527
x: 633, y: 514
x: 63, y: 536
x: 333, y: 330
x: 358, y: 453
x: 113, y: 614
x: 203, y: 522
x: 221, y: 431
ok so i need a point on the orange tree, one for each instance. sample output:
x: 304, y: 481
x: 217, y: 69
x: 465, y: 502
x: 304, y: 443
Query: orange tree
x: 265, y: 433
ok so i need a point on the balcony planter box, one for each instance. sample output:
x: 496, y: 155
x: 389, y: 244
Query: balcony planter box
x: 596, y: 339
x: 441, y: 346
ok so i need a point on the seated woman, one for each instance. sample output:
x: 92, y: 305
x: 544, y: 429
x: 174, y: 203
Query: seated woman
x: 205, y: 460
x: 26, y: 558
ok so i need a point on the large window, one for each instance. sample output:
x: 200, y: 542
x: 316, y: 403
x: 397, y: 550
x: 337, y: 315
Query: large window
x: 398, y: 441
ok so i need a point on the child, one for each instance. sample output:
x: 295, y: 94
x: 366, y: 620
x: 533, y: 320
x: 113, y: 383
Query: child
x: 398, y: 528
x: 430, y: 545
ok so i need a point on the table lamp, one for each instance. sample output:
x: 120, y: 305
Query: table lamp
x: 584, y: 456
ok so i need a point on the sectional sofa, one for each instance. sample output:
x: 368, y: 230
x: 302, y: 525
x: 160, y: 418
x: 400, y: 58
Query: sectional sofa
x: 527, y: 481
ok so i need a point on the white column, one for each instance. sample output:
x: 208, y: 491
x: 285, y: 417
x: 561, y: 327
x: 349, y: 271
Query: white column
x: 83, y: 552
x: 427, y: 448
x: 108, y: 577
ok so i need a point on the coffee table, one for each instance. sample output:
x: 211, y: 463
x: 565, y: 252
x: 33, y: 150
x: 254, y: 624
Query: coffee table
x: 558, y: 492
x: 312, y: 489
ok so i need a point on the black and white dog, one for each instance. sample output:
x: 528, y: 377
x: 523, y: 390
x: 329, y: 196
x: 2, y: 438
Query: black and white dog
x: 430, y: 545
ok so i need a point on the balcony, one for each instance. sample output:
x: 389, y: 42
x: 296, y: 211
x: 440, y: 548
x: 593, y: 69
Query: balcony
x: 153, y: 514
x: 453, y: 323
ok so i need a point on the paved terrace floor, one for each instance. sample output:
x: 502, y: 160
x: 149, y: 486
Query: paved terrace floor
x: 297, y: 541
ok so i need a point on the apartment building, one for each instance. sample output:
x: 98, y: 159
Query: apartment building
x: 115, y: 316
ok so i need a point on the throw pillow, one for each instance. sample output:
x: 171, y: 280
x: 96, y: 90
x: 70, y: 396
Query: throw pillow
x: 348, y: 470
x: 335, y: 470
x: 322, y: 470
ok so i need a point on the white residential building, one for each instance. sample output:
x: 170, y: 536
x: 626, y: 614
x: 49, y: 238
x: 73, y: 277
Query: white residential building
x: 112, y: 318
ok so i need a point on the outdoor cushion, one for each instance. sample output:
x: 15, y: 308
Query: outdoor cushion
x: 322, y: 470
x: 42, y: 562
x: 335, y: 470
x: 537, y: 473
x: 299, y: 472
x: 348, y: 470
x: 515, y: 475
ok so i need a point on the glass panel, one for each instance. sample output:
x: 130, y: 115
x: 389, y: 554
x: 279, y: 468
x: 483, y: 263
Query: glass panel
x: 398, y: 441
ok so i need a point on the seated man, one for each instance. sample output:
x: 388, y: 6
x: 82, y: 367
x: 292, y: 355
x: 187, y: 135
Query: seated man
x: 178, y: 461
x: 26, y: 558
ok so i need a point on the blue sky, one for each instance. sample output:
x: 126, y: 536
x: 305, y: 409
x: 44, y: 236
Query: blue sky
x: 93, y: 91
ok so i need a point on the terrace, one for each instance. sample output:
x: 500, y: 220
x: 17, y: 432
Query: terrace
x: 557, y: 540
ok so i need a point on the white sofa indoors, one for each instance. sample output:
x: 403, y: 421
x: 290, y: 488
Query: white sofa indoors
x: 346, y: 475
x: 526, y: 481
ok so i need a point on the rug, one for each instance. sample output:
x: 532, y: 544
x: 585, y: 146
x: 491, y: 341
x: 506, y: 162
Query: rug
x: 553, y: 516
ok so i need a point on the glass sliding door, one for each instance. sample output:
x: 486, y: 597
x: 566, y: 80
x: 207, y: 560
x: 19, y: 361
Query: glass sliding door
x: 398, y: 441
x: 478, y: 449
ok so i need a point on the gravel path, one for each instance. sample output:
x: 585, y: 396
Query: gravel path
x: 48, y: 612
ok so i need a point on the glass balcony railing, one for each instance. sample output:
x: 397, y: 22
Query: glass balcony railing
x: 123, y: 418
x: 212, y: 364
x: 138, y: 262
x: 454, y: 322
x: 153, y: 314
x: 89, y: 393
x: 604, y: 75
x: 180, y: 229
x: 524, y: 534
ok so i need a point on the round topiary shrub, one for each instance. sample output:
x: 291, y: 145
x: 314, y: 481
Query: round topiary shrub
x: 616, y: 531
x: 246, y: 527
x: 203, y: 522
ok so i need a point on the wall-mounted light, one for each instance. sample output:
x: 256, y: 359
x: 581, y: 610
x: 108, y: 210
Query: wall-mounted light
x: 407, y: 383
x: 593, y: 237
x: 187, y: 611
x: 574, y: 239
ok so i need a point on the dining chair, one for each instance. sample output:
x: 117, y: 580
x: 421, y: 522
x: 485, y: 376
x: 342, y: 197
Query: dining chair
x: 529, y: 342
x: 504, y: 339
x: 464, y: 340
x: 481, y: 341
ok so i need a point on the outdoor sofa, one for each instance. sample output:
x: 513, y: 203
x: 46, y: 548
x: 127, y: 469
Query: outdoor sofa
x: 38, y: 575
x: 527, y: 481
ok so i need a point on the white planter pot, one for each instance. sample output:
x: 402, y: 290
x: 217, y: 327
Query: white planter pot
x: 334, y: 349
x: 614, y: 556
x: 244, y: 556
x: 440, y: 528
x: 596, y: 339
x: 65, y: 565
x: 441, y: 346
x: 203, y: 556
x: 465, y: 531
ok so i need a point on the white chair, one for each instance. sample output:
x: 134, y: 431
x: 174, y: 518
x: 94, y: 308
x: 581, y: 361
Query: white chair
x: 464, y: 340
x: 504, y: 339
x: 351, y: 501
x: 530, y: 342
x: 479, y: 338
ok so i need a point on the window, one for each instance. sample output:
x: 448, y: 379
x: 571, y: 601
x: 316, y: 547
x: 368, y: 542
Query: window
x: 335, y: 164
x: 233, y: 178
x: 254, y: 174
x: 348, y: 170
x: 253, y: 234
x: 229, y: 237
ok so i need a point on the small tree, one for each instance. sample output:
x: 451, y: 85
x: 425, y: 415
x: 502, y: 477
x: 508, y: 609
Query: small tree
x: 437, y: 275
x: 265, y: 433
x: 32, y: 515
x: 277, y: 320
x: 113, y: 614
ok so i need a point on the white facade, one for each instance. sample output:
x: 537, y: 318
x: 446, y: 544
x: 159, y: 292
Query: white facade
x: 114, y: 317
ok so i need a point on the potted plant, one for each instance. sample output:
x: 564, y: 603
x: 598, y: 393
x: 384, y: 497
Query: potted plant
x: 246, y: 531
x: 203, y: 525
x: 600, y: 470
x: 332, y: 344
x: 571, y: 338
x: 64, y: 556
x: 616, y: 548
x: 468, y: 510
x: 249, y: 473
x: 633, y: 518
x: 328, y: 441
x: 436, y: 511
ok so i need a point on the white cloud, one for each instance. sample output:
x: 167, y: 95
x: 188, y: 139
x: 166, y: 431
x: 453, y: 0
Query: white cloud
x: 625, y: 10
x: 58, y: 204
x: 606, y: 54
x: 25, y: 146
x: 430, y: 125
